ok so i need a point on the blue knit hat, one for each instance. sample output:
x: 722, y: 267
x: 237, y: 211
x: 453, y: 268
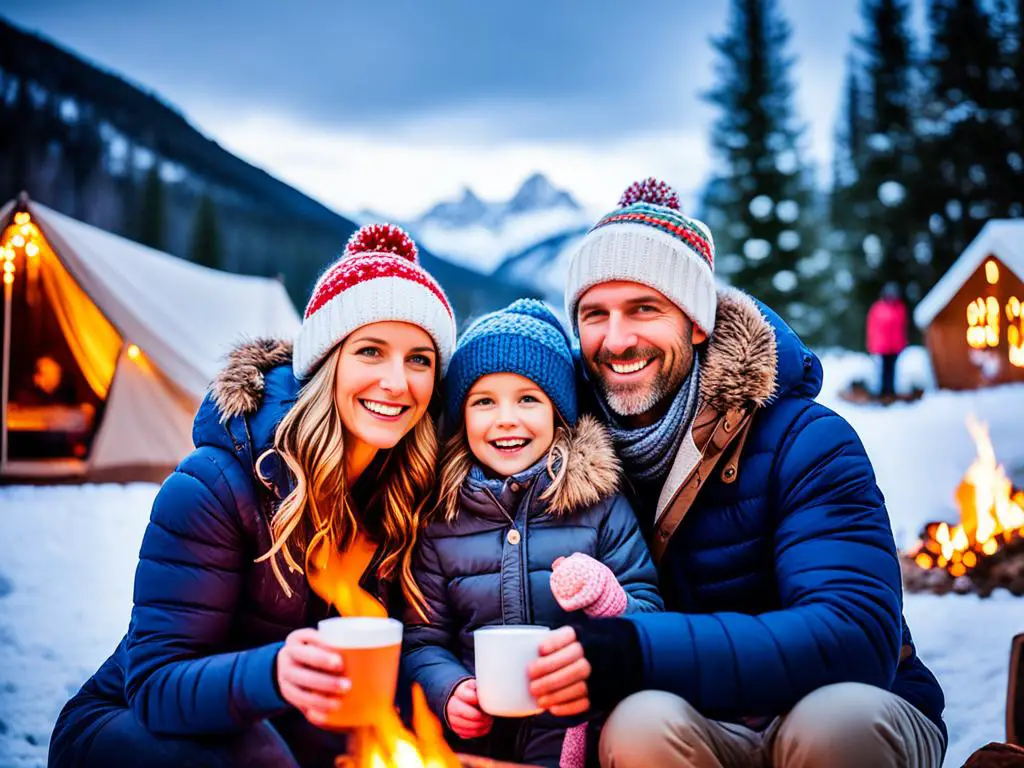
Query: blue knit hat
x: 524, y: 338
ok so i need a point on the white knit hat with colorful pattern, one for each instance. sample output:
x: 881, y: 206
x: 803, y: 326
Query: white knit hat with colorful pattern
x: 378, y: 278
x: 648, y: 240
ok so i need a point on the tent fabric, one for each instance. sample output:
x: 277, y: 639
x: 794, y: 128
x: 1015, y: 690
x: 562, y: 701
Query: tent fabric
x: 109, y: 294
x: 146, y: 419
x: 183, y: 316
x: 94, y: 342
x: 1002, y: 238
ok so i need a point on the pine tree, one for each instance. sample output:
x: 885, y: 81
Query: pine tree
x: 206, y: 248
x: 151, y: 214
x: 760, y: 202
x: 846, y: 210
x: 966, y: 141
x: 1008, y: 30
x: 882, y: 195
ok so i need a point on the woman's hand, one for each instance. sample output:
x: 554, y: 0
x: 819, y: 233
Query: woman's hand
x: 558, y: 679
x: 309, y: 675
x: 464, y: 714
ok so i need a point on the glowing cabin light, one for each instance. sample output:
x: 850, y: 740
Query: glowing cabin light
x: 133, y: 351
x: 983, y: 323
x: 991, y: 272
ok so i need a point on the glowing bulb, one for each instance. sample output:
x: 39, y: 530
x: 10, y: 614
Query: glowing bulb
x: 22, y: 217
x: 32, y: 250
x: 8, y: 278
x: 133, y: 351
x: 991, y: 272
x: 18, y: 241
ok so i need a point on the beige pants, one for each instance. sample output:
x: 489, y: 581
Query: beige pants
x: 848, y: 725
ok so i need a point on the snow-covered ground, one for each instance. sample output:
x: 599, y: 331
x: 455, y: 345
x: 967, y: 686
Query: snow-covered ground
x: 67, y: 559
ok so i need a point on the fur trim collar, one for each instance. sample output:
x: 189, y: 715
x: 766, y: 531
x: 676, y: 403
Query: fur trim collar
x: 592, y: 470
x: 238, y: 388
x: 739, y: 366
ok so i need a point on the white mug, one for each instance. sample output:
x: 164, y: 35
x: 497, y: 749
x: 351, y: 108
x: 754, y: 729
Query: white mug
x: 502, y: 655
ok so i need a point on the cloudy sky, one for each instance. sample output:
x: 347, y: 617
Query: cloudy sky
x: 394, y: 104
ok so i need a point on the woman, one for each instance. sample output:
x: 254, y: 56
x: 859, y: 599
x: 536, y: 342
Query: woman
x: 220, y: 664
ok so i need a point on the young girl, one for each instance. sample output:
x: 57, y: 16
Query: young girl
x: 523, y: 485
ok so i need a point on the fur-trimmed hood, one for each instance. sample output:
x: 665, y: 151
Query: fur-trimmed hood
x: 239, y: 387
x: 592, y: 470
x: 753, y: 356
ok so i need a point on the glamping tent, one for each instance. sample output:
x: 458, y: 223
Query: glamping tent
x: 109, y: 346
x: 973, y: 319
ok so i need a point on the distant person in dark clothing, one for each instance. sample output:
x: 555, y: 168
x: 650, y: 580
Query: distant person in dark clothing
x: 887, y: 334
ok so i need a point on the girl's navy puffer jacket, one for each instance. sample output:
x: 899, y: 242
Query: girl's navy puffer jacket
x: 474, y: 574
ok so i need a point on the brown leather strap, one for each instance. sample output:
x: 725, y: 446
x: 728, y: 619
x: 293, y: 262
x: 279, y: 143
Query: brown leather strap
x: 731, y: 470
x: 712, y: 434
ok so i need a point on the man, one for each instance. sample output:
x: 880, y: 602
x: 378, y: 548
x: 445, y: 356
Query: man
x: 783, y: 642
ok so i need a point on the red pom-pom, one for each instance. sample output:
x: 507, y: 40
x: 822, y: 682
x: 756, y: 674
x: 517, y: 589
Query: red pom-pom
x: 382, y: 238
x: 650, y: 190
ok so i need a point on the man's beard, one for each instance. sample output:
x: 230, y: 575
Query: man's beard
x: 635, y: 399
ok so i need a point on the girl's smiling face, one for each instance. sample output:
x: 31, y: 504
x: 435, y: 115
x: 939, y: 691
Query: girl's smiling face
x: 510, y: 422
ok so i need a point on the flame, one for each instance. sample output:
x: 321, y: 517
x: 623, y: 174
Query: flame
x: 335, y: 576
x: 389, y: 744
x: 991, y: 514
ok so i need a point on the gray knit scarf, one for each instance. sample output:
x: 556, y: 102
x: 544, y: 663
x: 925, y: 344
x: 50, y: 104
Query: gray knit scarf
x: 647, y: 452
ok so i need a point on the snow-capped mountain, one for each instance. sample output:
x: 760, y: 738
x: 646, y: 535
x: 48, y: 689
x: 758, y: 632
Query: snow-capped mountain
x: 544, y: 265
x: 483, y: 234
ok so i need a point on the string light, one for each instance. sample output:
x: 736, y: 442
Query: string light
x: 133, y: 351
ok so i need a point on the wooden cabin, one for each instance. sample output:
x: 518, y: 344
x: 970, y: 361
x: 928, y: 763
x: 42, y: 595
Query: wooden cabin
x: 973, y: 319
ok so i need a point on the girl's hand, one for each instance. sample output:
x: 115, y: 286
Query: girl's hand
x: 581, y: 583
x: 309, y: 675
x: 558, y: 679
x: 464, y: 714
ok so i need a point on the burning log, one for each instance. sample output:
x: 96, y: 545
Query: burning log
x: 986, y: 549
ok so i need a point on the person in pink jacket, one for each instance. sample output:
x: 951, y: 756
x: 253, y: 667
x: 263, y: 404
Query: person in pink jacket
x: 887, y: 334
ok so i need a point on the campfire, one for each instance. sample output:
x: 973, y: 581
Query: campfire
x: 985, y: 549
x: 387, y: 744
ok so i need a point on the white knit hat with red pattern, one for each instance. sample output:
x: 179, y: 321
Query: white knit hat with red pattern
x: 378, y: 278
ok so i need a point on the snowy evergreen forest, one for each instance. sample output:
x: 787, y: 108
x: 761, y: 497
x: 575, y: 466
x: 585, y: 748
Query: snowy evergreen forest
x: 929, y: 147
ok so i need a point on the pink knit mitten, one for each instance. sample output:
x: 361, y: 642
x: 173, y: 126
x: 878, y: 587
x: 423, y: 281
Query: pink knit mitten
x: 574, y: 747
x: 579, y: 582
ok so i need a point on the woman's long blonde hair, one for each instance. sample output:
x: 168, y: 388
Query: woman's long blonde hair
x: 310, y: 439
x: 457, y: 459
